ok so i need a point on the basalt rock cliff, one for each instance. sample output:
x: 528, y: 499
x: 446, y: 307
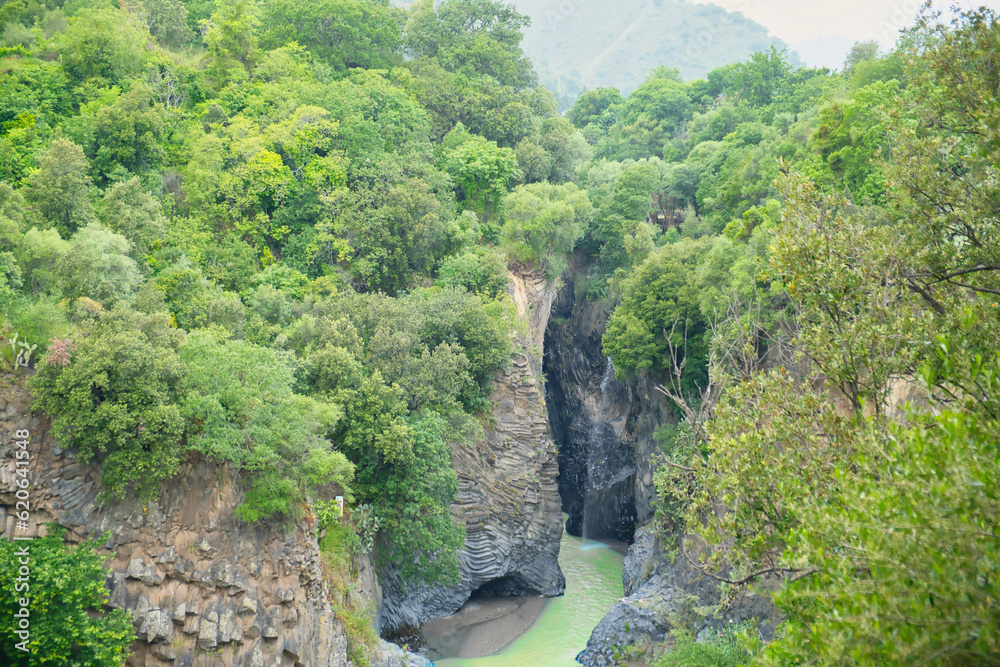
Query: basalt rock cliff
x: 202, y: 589
x: 602, y: 426
x: 508, y: 499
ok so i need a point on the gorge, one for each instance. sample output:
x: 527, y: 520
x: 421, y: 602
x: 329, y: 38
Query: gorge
x: 200, y: 587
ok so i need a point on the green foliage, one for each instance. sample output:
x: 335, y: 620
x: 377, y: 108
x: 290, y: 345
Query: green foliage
x: 342, y: 33
x: 167, y: 21
x: 129, y: 210
x: 238, y: 400
x: 337, y: 548
x: 475, y: 37
x: 127, y: 134
x: 38, y: 255
x: 65, y: 602
x: 873, y: 519
x: 104, y: 46
x: 480, y: 271
x: 659, y: 309
x: 59, y: 191
x: 407, y: 371
x: 596, y: 106
x: 484, y: 171
x: 424, y: 538
x: 96, y: 265
x: 854, y: 322
x: 232, y: 41
x: 116, y: 400
x: 721, y: 650
x: 543, y: 222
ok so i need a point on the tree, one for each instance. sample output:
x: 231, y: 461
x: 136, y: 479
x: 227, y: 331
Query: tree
x: 96, y: 265
x: 543, y: 222
x: 129, y: 210
x: 565, y: 146
x: 859, y: 53
x: 166, y: 20
x: 425, y: 539
x: 762, y: 78
x: 905, y: 556
x: 480, y: 271
x: 67, y: 598
x: 475, y: 37
x: 484, y: 171
x: 59, y: 190
x: 341, y: 33
x: 596, y: 106
x: 116, y: 399
x: 232, y: 41
x: 38, y: 255
x: 127, y: 134
x: 659, y: 309
x: 107, y: 45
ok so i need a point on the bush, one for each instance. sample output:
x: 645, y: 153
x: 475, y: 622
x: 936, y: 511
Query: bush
x: 66, y: 601
x: 117, y: 399
x: 721, y: 650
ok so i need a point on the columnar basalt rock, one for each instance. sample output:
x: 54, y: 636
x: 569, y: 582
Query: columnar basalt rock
x: 202, y: 588
x: 507, y: 498
x: 603, y: 427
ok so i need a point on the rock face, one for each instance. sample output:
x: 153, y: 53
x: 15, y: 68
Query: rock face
x: 663, y: 595
x: 507, y: 498
x: 202, y: 589
x: 602, y: 427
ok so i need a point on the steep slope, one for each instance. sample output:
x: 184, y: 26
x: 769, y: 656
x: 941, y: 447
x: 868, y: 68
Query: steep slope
x: 603, y: 427
x: 577, y: 45
x: 507, y: 497
x: 593, y: 44
x: 202, y: 589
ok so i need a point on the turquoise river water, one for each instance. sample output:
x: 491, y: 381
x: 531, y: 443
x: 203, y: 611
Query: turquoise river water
x: 593, y: 573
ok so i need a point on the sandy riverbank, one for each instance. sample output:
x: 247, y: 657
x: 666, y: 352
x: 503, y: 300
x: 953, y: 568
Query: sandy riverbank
x: 481, y: 627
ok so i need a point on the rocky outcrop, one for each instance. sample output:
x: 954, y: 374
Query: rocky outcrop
x: 662, y: 595
x: 602, y: 427
x: 507, y: 498
x: 202, y: 588
x: 387, y: 654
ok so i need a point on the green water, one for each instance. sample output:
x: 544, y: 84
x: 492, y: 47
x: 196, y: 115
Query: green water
x: 593, y: 584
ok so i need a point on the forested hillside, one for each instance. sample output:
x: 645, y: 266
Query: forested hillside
x: 277, y: 234
x: 576, y: 45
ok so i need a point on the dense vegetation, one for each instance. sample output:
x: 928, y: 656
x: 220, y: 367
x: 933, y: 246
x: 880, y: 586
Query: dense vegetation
x: 825, y: 321
x: 278, y: 248
x: 276, y: 235
x: 66, y: 591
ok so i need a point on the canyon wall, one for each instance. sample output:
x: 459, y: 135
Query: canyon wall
x: 508, y: 498
x: 202, y: 589
x: 603, y: 427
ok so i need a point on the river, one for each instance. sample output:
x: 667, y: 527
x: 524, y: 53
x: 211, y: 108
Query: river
x: 593, y: 572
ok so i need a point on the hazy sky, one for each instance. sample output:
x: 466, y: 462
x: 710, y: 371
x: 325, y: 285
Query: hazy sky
x: 822, y: 30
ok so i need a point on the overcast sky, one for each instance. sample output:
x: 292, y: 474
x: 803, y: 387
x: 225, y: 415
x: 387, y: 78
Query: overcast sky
x: 821, y: 31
